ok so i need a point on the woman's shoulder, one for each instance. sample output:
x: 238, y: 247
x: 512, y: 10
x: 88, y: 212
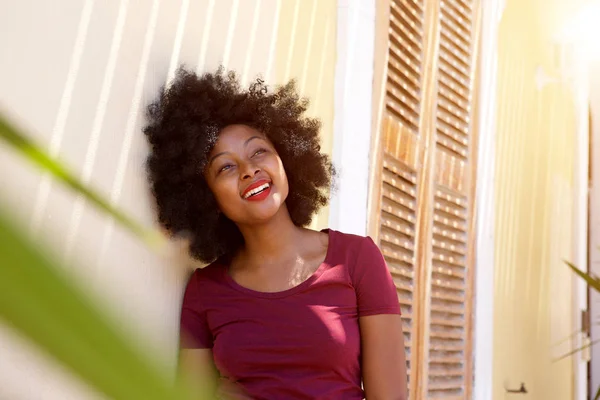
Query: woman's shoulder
x: 212, y: 272
x: 349, y: 239
x: 350, y: 244
x: 206, y: 283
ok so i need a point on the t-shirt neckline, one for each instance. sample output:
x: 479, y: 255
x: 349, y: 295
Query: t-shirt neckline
x: 288, y: 292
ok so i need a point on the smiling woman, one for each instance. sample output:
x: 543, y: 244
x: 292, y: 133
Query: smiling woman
x: 282, y: 311
x: 183, y: 126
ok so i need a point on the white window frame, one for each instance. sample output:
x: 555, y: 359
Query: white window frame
x: 485, y: 200
x: 353, y: 114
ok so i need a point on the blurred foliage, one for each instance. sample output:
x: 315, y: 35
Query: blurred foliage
x: 49, y: 309
x: 33, y: 153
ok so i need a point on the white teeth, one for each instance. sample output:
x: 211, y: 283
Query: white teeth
x: 256, y: 190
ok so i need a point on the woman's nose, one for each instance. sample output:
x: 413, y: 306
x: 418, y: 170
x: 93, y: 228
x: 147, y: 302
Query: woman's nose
x: 250, y: 171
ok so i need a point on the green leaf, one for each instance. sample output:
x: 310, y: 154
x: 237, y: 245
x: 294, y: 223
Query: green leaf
x: 592, y: 281
x: 37, y: 156
x: 597, y: 396
x: 47, y: 308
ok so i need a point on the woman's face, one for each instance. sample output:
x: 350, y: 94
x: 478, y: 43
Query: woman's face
x: 246, y: 175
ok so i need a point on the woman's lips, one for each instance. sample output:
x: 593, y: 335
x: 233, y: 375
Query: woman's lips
x: 260, y: 195
x: 257, y: 190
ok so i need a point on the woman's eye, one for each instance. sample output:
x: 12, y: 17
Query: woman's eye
x: 259, y: 152
x: 225, y: 168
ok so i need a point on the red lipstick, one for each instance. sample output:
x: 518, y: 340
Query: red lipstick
x: 257, y: 191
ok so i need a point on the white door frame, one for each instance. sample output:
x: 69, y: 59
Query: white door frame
x: 352, y: 114
x: 485, y: 200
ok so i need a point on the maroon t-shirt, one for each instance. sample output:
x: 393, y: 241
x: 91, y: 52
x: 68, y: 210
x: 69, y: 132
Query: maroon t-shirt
x: 302, y: 343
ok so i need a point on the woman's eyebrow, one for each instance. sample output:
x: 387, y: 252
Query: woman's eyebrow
x: 217, y: 155
x: 251, y: 139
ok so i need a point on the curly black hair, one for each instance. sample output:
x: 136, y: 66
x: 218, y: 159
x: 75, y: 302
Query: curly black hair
x: 183, y: 126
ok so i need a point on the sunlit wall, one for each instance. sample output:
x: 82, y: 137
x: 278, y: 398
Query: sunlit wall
x: 535, y: 164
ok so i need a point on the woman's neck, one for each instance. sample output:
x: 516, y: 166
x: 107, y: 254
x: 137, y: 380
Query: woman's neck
x: 276, y: 239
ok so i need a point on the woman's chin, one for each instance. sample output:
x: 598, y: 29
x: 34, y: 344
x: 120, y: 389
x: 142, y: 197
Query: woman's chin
x: 260, y: 214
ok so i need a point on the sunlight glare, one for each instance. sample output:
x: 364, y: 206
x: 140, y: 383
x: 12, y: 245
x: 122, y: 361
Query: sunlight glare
x: 583, y: 29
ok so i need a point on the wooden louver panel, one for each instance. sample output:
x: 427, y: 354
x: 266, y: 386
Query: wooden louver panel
x: 448, y: 345
x: 455, y: 77
x: 423, y: 188
x: 401, y: 142
x: 397, y: 238
x: 447, y: 335
x: 403, y: 89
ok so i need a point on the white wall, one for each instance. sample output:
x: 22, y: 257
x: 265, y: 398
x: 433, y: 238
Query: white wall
x: 78, y: 74
x: 486, y: 175
x: 353, y: 113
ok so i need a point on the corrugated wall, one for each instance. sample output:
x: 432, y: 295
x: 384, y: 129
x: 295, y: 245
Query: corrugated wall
x: 306, y: 51
x: 78, y: 74
x: 536, y: 133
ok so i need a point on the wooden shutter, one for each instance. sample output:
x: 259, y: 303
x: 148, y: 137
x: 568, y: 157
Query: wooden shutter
x: 423, y: 189
x: 447, y: 358
x: 398, y: 166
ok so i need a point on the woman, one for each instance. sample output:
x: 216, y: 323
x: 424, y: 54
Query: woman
x: 281, y: 312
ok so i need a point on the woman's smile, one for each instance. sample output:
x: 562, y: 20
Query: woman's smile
x: 257, y: 191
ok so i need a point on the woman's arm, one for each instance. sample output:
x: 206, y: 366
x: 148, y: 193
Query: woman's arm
x: 383, y: 358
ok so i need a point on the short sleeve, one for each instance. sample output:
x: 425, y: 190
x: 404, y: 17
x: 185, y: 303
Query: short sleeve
x: 375, y: 289
x: 194, y: 331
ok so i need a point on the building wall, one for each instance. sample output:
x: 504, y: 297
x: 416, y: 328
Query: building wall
x: 306, y: 51
x: 534, y: 208
x: 78, y: 78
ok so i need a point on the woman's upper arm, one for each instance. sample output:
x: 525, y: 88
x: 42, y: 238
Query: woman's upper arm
x: 382, y: 340
x: 383, y: 357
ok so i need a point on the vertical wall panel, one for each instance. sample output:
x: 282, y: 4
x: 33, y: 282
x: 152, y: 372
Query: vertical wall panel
x: 83, y: 68
x: 536, y: 133
x: 306, y: 52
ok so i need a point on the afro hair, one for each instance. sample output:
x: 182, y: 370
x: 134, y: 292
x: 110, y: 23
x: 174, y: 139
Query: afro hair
x: 183, y: 125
